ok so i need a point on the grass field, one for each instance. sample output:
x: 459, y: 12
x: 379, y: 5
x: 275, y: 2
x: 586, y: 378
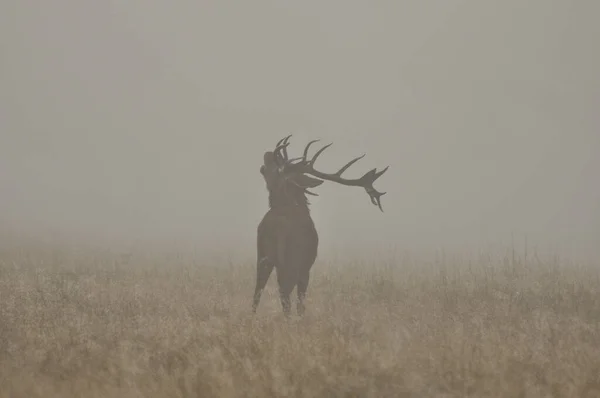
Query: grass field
x: 92, y: 324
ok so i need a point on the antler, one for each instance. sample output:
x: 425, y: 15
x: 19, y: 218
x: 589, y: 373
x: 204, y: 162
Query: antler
x: 366, y: 181
x: 280, y: 151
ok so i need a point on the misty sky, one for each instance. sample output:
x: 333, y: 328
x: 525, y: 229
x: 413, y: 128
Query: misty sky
x: 146, y: 120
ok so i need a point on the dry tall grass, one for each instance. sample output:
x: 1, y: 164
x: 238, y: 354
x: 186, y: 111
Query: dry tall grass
x: 92, y: 325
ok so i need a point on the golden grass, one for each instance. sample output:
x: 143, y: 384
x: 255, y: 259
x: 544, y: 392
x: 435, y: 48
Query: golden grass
x: 78, y: 324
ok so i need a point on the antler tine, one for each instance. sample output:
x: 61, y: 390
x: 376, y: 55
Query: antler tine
x: 319, y: 152
x: 279, y: 158
x: 284, y: 140
x: 380, y: 173
x: 350, y: 163
x: 376, y: 198
x: 284, y: 151
x: 281, y: 141
x: 306, y: 150
x: 280, y: 150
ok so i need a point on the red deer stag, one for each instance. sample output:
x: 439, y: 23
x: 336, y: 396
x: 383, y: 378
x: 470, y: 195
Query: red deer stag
x: 286, y: 237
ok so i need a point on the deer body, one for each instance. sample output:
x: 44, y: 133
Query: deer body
x: 287, y: 239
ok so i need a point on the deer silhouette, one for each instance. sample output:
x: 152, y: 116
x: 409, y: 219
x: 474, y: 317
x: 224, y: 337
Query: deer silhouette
x: 287, y: 239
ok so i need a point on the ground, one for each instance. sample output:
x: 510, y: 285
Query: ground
x: 95, y: 324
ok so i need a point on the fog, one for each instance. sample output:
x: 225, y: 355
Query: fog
x: 146, y: 120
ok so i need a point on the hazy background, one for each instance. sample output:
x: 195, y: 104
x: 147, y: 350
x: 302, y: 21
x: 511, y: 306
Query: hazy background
x: 146, y: 120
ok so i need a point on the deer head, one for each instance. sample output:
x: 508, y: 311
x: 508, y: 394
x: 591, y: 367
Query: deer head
x: 291, y: 178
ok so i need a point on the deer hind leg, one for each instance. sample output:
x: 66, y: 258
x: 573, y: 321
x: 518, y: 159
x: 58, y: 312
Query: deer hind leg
x: 301, y: 290
x: 306, y: 260
x: 264, y: 267
x: 286, y: 282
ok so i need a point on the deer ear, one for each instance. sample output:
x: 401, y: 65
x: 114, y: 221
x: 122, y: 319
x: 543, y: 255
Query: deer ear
x: 305, y: 181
